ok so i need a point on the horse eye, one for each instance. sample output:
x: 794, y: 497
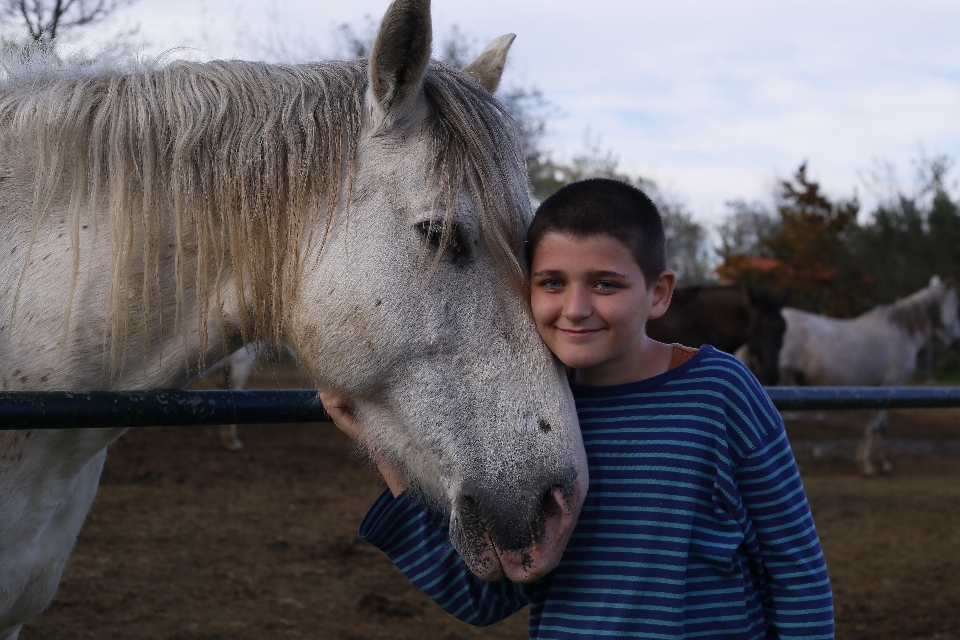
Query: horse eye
x: 432, y: 232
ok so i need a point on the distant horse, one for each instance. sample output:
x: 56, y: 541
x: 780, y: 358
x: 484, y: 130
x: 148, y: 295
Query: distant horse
x: 237, y: 368
x: 727, y: 317
x: 877, y: 348
x: 370, y: 216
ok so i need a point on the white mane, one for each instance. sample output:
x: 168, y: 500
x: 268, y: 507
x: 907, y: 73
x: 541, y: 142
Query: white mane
x: 247, y: 157
x: 918, y: 313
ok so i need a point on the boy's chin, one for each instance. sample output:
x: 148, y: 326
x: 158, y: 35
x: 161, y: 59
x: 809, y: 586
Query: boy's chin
x: 583, y: 356
x: 581, y: 364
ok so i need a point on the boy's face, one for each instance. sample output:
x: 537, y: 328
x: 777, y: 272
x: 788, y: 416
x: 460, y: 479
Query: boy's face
x: 591, y: 302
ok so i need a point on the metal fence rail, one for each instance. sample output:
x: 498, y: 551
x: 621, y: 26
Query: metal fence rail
x: 72, y: 409
x: 804, y: 398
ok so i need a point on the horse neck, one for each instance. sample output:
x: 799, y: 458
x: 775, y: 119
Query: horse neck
x: 736, y: 300
x: 200, y: 199
x: 918, y: 314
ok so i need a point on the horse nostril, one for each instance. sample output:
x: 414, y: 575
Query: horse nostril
x: 470, y: 513
x: 544, y: 425
x: 548, y: 504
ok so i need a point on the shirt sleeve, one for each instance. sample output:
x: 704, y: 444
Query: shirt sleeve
x: 420, y: 547
x: 778, y: 526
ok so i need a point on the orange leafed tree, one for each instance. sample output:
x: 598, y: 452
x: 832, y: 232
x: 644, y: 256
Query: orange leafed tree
x: 807, y: 257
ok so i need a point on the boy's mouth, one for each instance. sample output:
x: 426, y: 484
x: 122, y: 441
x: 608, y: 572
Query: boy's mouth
x: 578, y: 334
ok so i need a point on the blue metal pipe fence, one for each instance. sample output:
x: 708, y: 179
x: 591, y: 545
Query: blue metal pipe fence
x: 73, y: 409
x: 823, y: 398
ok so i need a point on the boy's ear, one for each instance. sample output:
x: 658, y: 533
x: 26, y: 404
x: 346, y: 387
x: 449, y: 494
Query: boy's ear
x: 662, y: 293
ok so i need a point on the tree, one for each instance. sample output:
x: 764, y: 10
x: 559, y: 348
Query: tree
x: 911, y: 237
x: 743, y: 230
x: 45, y: 20
x: 805, y: 252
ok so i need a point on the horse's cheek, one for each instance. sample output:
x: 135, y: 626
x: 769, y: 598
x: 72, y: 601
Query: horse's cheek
x: 348, y: 332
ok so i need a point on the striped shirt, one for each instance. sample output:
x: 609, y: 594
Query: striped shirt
x: 695, y: 524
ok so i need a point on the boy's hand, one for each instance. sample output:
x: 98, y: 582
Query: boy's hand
x: 341, y: 412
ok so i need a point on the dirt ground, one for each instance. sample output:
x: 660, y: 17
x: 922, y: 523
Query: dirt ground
x: 187, y: 540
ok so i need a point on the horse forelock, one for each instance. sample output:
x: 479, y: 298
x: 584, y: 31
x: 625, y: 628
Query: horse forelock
x: 247, y: 157
x: 476, y: 144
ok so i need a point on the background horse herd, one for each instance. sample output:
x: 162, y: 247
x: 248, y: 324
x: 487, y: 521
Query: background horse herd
x: 789, y: 346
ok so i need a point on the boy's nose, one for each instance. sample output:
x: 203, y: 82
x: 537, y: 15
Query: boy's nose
x: 576, y: 304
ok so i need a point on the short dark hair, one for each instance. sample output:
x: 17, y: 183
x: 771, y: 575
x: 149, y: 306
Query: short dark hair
x: 605, y: 207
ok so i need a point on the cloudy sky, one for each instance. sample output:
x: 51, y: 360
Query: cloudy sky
x: 714, y: 100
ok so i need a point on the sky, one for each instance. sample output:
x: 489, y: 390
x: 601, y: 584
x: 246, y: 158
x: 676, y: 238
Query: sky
x: 714, y: 101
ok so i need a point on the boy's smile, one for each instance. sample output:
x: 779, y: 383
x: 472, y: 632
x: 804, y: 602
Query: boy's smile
x: 591, y: 302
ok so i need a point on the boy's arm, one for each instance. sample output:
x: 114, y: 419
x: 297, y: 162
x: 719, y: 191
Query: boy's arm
x: 421, y: 549
x: 796, y: 594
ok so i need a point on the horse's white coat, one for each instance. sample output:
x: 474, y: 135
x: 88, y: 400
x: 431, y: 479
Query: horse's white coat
x: 879, y: 347
x: 396, y: 292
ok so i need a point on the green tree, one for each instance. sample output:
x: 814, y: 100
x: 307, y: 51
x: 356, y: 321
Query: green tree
x: 911, y: 237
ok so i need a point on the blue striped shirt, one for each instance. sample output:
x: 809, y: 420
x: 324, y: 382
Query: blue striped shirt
x: 695, y: 524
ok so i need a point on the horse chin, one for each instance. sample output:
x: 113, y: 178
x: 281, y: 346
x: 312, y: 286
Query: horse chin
x: 483, y: 561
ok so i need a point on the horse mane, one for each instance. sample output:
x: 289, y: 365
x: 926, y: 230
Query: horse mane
x: 247, y: 157
x: 918, y: 313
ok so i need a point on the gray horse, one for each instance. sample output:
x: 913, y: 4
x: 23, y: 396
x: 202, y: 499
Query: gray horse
x: 368, y: 215
x: 879, y: 347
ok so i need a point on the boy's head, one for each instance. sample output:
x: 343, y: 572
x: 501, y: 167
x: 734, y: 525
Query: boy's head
x: 605, y: 207
x: 597, y: 274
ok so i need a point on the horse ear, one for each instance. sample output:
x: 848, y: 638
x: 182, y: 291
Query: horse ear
x: 487, y: 69
x: 934, y: 280
x: 400, y: 52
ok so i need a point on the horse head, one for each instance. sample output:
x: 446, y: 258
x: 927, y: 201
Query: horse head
x: 413, y: 303
x: 948, y: 321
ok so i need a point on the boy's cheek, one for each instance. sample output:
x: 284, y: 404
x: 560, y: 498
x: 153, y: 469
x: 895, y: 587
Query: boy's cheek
x: 541, y: 317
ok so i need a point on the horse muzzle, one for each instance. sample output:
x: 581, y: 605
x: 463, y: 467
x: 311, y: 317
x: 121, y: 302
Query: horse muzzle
x: 495, y: 543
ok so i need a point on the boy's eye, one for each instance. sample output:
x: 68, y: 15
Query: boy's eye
x: 605, y: 285
x: 553, y: 283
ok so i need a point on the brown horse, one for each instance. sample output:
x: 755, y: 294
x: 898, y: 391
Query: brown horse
x: 727, y: 317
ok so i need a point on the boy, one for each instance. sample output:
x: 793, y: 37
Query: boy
x: 695, y: 523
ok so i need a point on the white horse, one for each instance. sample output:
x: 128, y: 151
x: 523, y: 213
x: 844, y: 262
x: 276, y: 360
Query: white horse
x: 370, y: 216
x: 237, y: 366
x: 877, y: 348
